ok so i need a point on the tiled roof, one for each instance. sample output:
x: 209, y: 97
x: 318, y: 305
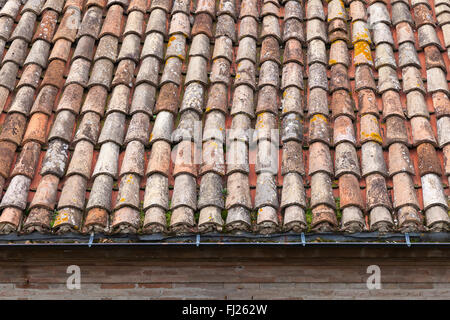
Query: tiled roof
x: 187, y: 116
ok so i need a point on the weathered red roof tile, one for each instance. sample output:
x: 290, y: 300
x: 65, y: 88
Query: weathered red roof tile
x: 203, y: 25
x: 107, y: 161
x: 81, y: 160
x: 237, y: 158
x: 138, y: 128
x: 350, y: 195
x: 441, y: 104
x: 291, y: 128
x: 128, y: 196
x: 292, y: 159
x: 436, y: 81
x: 292, y: 101
x: 88, y: 128
x: 46, y: 193
x: 248, y: 27
x: 16, y: 193
x: 13, y: 128
x: 55, y: 158
x: 46, y: 27
x: 358, y: 11
x: 187, y: 198
x: 433, y: 193
x: 392, y: 105
x: 67, y: 220
x: 427, y: 36
x: 443, y: 132
x: 100, y: 195
x: 210, y: 193
x: 238, y: 191
x: 185, y: 162
x: 23, y: 100
x: 318, y: 102
x: 266, y: 158
x: 63, y: 126
x: 112, y: 22
x: 422, y: 131
x: 213, y: 158
x: 7, y: 154
x: 37, y: 128
x: 265, y: 123
x: 10, y: 219
x: 422, y: 15
x: 346, y: 160
x: 315, y: 29
x: 159, y: 161
x: 360, y: 32
x: 113, y: 129
x: 321, y: 192
x: 26, y: 162
x: 322, y: 161
x: 396, y: 131
x: 156, y: 194
x: 95, y: 100
x: 428, y: 160
x: 98, y: 3
x: 399, y: 159
x: 343, y: 130
x: 10, y: 9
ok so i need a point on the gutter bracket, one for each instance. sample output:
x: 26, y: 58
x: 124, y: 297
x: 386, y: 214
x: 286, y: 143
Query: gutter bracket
x: 91, y: 239
x: 197, y: 241
x: 303, y: 239
x: 408, y: 241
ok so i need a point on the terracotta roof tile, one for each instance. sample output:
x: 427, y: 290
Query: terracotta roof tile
x: 55, y: 5
x: 37, y: 128
x: 11, y: 9
x: 23, y: 100
x: 108, y: 66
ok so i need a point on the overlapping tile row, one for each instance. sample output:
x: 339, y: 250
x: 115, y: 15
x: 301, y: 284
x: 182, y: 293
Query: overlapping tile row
x: 238, y: 200
x: 211, y: 201
x: 293, y: 197
x: 53, y: 166
x: 435, y: 204
x: 156, y: 199
x: 373, y: 166
x: 17, y: 131
x: 266, y: 127
x: 346, y: 162
x: 184, y: 199
x: 440, y: 100
x: 320, y: 169
x: 125, y: 212
x: 83, y: 29
x: 442, y: 13
x: 77, y: 171
x: 401, y: 167
x: 127, y: 217
x: 56, y: 165
x: 104, y: 212
x: 18, y: 39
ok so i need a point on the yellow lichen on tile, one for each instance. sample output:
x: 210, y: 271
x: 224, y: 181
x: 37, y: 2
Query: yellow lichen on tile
x: 319, y: 116
x: 363, y: 48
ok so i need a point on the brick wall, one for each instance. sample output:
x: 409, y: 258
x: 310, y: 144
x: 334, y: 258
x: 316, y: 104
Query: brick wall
x: 223, y: 272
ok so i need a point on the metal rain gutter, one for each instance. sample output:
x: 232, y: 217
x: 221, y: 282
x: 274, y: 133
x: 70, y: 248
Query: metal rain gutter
x: 243, y: 239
